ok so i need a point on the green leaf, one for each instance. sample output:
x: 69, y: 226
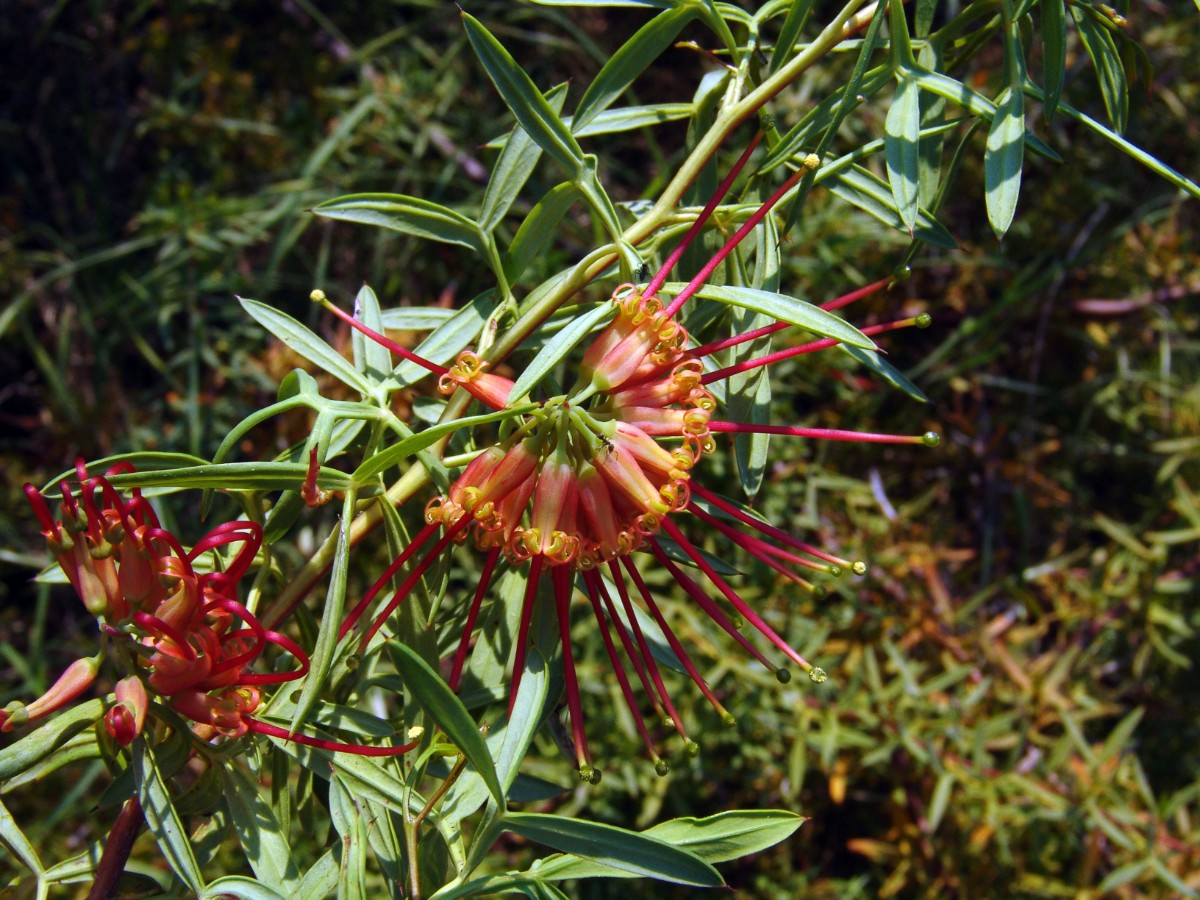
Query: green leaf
x: 362, y: 776
x: 161, y: 819
x: 258, y: 830
x: 539, y: 230
x: 939, y: 801
x: 242, y: 888
x: 507, y: 744
x: 407, y: 215
x: 976, y: 104
x: 306, y: 343
x: 443, y: 706
x: 899, y: 41
x: 557, y: 348
x: 617, y: 848
x: 516, y: 163
x: 1131, y: 150
x: 497, y: 885
x: 1102, y: 47
x: 1054, y: 53
x: 12, y: 836
x: 792, y: 310
x: 902, y: 149
x: 348, y: 822
x: 628, y: 118
x: 630, y: 61
x: 523, y: 98
x: 417, y: 318
x: 885, y: 370
x: 427, y: 437
x: 320, y: 880
x: 651, y: 4
x: 40, y: 743
x: 789, y: 33
x: 371, y: 358
x: 829, y: 111
x: 872, y: 195
x: 242, y: 476
x: 1002, y: 162
x: 450, y: 338
x: 322, y: 656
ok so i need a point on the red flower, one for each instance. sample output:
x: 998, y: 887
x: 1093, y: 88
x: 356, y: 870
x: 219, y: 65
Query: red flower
x: 182, y: 632
x: 588, y: 478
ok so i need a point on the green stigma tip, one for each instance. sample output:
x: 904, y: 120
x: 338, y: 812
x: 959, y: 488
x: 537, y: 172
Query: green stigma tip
x: 661, y: 767
x: 352, y: 662
x: 691, y: 748
x: 835, y: 571
x: 729, y: 720
x: 782, y: 675
x: 859, y: 568
x: 931, y: 439
x: 668, y: 722
x: 589, y: 774
x: 818, y: 675
x: 901, y: 272
x: 924, y: 320
x: 819, y: 592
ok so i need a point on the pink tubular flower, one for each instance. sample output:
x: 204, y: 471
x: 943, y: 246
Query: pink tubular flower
x: 187, y: 639
x: 588, y: 478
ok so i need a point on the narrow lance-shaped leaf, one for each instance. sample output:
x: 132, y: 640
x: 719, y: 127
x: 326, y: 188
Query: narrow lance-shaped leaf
x: 161, y: 818
x: 302, y: 339
x: 1152, y: 163
x: 523, y: 98
x: 1054, y: 53
x: 871, y: 194
x: 1102, y: 47
x: 628, y: 851
x: 450, y: 338
x: 370, y: 358
x: 248, y: 476
x: 14, y: 838
x: 718, y: 838
x: 262, y: 840
x: 426, y: 437
x: 901, y: 148
x: 1005, y: 154
x: 407, y: 215
x: 783, y: 308
x: 557, y: 348
x: 516, y: 163
x: 443, y: 706
x: 539, y: 229
x: 629, y: 61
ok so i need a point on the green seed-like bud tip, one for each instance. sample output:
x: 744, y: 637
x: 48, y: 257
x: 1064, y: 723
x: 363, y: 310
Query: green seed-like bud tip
x: 931, y: 439
x: 924, y: 320
x: 661, y: 767
x: 818, y: 675
x: 692, y: 749
x: 782, y: 675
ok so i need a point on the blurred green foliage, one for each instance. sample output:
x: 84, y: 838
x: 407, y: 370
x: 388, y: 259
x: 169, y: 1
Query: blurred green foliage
x: 1013, y: 707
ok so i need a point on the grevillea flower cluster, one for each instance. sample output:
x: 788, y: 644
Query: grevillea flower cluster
x: 180, y: 635
x: 577, y: 485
